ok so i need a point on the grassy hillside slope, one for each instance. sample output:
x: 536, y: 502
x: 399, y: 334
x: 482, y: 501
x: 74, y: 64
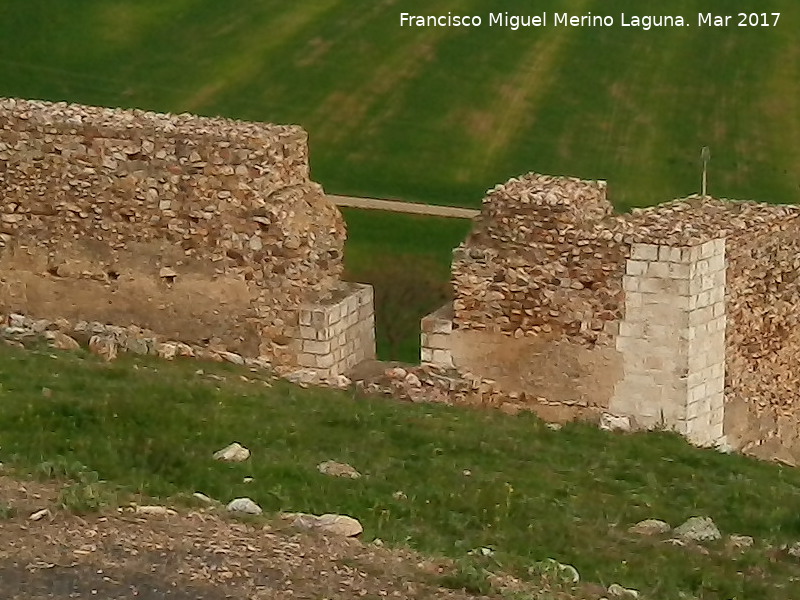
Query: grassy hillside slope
x: 441, y: 114
x: 443, y: 480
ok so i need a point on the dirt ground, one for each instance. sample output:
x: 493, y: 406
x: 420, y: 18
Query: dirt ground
x: 194, y: 554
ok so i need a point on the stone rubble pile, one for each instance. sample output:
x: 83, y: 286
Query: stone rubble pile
x: 440, y: 385
x: 111, y: 339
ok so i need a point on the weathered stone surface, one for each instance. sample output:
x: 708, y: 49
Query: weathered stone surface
x: 609, y: 422
x: 104, y: 347
x: 650, y: 527
x: 244, y: 506
x: 333, y: 524
x: 167, y: 351
x: 698, y: 529
x: 740, y: 542
x: 337, y: 469
x: 203, y: 498
x: 301, y: 520
x: 61, y: 341
x: 206, y: 231
x: 234, y: 452
x: 39, y: 514
x: 615, y: 590
x: 155, y: 511
x: 715, y: 280
x: 542, y: 258
x: 794, y: 550
x: 339, y: 525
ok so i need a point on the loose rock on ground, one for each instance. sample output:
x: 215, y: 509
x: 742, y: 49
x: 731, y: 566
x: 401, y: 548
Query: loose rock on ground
x: 234, y: 452
x: 698, y: 529
x: 337, y: 469
x: 244, y: 506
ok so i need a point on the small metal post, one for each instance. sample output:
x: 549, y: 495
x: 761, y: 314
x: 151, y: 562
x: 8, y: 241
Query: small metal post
x: 705, y: 155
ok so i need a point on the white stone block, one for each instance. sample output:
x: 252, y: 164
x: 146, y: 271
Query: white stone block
x: 701, y: 267
x: 690, y: 255
x: 636, y: 267
x: 630, y: 283
x: 669, y: 254
x: 442, y: 357
x: 658, y: 270
x: 644, y: 252
x: 309, y: 333
x: 316, y: 347
x: 717, y: 263
x: 697, y: 393
x: 701, y: 316
x: 652, y: 286
x: 633, y: 300
x: 679, y: 270
x: 631, y: 329
x: 708, y: 249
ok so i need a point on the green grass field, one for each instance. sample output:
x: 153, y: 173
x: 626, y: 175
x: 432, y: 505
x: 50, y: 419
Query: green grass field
x: 530, y: 493
x: 442, y: 114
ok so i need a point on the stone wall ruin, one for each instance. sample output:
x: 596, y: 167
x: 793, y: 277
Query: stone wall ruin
x: 682, y: 315
x: 203, y: 230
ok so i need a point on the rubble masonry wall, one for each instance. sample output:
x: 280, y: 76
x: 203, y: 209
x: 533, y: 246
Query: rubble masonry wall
x: 202, y: 230
x: 684, y: 315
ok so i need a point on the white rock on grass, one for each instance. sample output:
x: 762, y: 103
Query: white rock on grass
x: 103, y: 346
x: 740, y: 542
x: 234, y: 452
x: 615, y: 590
x: 167, y: 350
x: 339, y: 525
x: 609, y: 422
x: 650, y: 527
x: 333, y: 524
x: 244, y: 506
x: 340, y: 382
x: 698, y: 529
x: 39, y: 514
x: 569, y: 572
x: 301, y: 520
x: 337, y: 469
x: 155, y: 511
x: 794, y: 550
x: 232, y: 358
x: 61, y: 341
x: 203, y: 498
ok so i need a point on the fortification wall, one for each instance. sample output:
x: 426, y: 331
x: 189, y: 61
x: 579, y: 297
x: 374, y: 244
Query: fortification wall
x: 763, y: 337
x: 761, y: 310
x: 538, y: 293
x: 203, y: 230
x: 683, y: 315
x: 545, y: 257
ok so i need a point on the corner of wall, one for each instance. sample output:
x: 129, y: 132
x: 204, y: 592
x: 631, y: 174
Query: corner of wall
x: 672, y: 339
